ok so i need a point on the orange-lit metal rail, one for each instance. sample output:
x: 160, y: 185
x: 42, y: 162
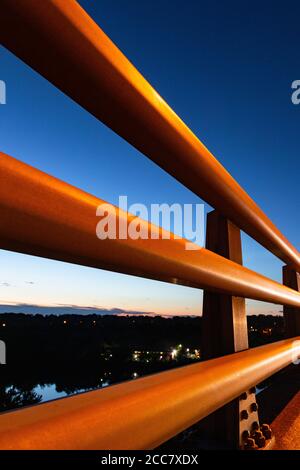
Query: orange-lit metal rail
x: 59, y: 40
x: 43, y: 216
x: 143, y: 413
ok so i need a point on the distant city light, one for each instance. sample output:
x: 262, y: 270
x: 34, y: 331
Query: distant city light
x: 174, y: 353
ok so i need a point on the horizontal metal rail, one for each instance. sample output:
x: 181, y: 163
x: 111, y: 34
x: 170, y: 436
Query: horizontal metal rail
x: 59, y: 40
x: 143, y: 413
x: 43, y: 216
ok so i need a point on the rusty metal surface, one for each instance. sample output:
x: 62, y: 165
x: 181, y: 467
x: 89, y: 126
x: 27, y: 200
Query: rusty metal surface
x: 43, y: 216
x: 143, y: 413
x: 291, y: 315
x: 286, y: 426
x: 59, y: 40
x: 229, y: 313
x: 223, y: 238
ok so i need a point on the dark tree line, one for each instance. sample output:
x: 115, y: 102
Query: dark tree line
x: 77, y: 352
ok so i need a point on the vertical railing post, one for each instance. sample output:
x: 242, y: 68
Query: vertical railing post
x: 291, y: 314
x: 224, y: 331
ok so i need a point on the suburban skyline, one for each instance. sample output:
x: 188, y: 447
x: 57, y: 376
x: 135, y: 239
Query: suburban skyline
x: 231, y: 89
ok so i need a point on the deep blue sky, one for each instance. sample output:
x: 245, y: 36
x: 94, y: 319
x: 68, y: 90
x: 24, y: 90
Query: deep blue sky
x: 226, y: 68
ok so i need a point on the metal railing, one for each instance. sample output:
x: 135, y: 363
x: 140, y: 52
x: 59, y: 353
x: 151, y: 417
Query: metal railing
x: 43, y: 216
x: 143, y: 413
x: 59, y: 40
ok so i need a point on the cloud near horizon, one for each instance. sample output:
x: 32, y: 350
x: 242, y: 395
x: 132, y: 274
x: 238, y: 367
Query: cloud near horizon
x: 67, y: 310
